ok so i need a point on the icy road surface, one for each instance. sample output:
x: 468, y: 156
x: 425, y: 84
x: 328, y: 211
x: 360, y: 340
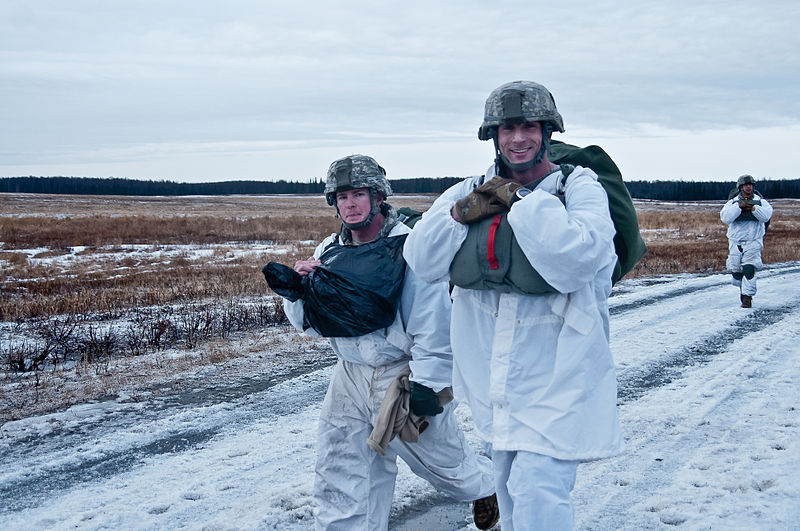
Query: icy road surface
x: 708, y: 400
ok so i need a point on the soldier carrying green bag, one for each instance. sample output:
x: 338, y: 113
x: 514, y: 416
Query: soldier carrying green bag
x: 532, y: 249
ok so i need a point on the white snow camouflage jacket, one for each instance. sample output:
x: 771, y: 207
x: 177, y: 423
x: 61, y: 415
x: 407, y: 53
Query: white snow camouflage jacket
x: 537, y: 371
x: 743, y: 231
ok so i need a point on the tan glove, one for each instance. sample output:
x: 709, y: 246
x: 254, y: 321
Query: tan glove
x: 492, y: 197
x: 746, y: 205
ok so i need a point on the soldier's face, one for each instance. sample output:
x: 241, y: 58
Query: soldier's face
x: 354, y: 205
x: 519, y: 143
x: 747, y: 189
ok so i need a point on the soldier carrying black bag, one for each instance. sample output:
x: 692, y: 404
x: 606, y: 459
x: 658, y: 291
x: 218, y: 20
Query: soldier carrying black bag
x: 391, y: 333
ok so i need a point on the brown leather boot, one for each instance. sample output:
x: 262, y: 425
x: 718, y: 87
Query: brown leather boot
x: 747, y: 301
x: 485, y: 512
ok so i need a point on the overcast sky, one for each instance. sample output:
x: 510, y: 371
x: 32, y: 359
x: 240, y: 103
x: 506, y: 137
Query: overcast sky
x: 200, y: 90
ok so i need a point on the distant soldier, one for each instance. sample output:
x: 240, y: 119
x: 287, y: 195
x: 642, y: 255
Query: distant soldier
x: 745, y: 214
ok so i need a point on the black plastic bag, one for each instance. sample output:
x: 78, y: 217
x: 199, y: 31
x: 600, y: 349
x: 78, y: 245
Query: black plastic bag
x: 284, y: 280
x: 355, y: 291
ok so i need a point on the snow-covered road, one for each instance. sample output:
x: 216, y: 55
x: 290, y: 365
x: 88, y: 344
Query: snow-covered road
x: 708, y: 402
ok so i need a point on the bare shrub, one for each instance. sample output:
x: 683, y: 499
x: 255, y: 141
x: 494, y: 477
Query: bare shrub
x: 135, y: 339
x: 97, y: 343
x: 23, y: 356
x: 58, y: 335
x: 158, y: 333
x: 272, y: 313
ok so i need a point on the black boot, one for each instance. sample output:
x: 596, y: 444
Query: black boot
x: 486, y: 512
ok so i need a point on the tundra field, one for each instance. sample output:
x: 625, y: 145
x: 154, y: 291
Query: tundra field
x: 100, y: 294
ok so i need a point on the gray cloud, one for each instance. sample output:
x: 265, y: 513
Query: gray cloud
x: 99, y: 79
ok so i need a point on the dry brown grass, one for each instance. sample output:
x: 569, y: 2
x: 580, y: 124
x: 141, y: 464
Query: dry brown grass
x: 96, y: 230
x: 32, y: 287
x: 685, y: 237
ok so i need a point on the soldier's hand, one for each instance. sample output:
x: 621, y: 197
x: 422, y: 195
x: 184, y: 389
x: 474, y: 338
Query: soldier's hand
x: 305, y: 267
x: 746, y: 205
x: 492, y: 197
x: 424, y: 401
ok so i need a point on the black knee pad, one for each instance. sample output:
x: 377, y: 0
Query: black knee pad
x: 737, y: 276
x: 749, y: 271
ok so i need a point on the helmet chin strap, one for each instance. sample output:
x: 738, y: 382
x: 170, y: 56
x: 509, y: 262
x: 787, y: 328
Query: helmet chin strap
x: 374, y: 209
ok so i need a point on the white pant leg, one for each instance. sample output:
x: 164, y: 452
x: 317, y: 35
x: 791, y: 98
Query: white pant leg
x: 536, y: 491
x: 353, y: 485
x: 444, y: 459
x: 751, y: 256
x: 749, y: 286
x: 502, y: 467
x: 734, y: 261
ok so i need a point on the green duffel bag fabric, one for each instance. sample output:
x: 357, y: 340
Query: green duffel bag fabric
x: 628, y: 242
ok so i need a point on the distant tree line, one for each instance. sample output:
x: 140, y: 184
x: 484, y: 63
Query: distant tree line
x: 661, y: 190
x: 120, y: 186
x: 708, y: 191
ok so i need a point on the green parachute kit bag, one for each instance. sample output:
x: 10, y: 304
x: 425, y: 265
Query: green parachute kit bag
x: 490, y: 257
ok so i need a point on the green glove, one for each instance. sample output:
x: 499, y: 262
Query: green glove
x: 424, y: 401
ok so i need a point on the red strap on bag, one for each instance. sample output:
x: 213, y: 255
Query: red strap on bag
x: 490, y: 256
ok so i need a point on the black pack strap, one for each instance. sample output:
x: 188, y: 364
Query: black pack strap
x: 566, y: 170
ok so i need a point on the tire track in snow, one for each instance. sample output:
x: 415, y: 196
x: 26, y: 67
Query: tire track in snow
x: 648, y: 300
x: 636, y: 382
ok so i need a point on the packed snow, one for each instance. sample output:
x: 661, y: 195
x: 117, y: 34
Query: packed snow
x: 708, y: 403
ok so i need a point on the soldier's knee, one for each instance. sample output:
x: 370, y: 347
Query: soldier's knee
x: 749, y: 271
x: 737, y: 276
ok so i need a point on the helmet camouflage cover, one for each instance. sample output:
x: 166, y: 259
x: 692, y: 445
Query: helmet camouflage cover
x: 355, y: 171
x: 744, y: 179
x: 519, y: 101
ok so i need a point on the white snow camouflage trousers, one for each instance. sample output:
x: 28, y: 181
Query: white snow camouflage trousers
x: 742, y: 254
x: 354, y: 485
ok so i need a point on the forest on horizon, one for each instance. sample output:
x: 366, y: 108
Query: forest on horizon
x: 660, y: 190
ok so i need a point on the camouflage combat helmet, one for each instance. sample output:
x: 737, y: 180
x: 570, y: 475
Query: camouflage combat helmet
x: 357, y: 171
x: 744, y: 179
x: 519, y: 101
